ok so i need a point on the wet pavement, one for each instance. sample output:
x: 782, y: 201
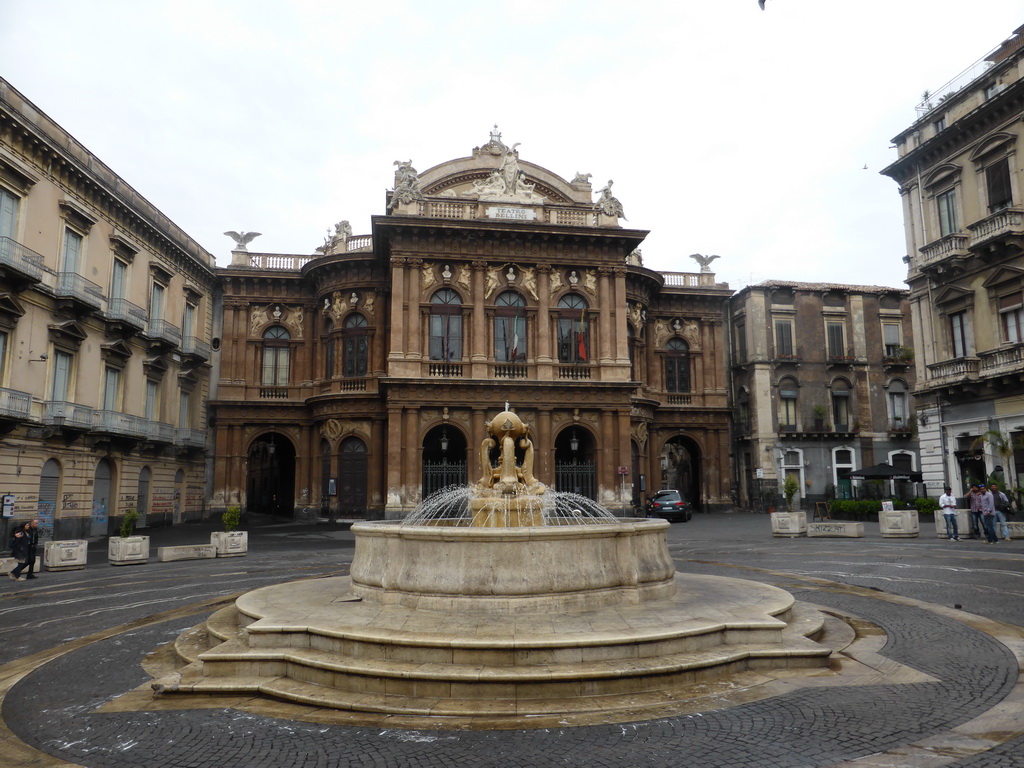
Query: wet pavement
x: 74, y: 644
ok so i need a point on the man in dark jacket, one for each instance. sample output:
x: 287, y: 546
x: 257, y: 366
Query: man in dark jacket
x: 19, y: 551
x: 33, y: 547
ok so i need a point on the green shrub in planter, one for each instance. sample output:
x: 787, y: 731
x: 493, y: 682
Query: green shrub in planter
x: 128, y: 523
x: 231, y: 518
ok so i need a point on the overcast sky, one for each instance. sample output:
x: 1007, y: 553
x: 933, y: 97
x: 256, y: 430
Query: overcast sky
x: 728, y: 130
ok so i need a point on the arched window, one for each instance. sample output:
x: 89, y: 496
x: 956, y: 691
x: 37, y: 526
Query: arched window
x: 356, y: 345
x: 573, y: 329
x: 788, y: 390
x: 276, y: 354
x: 445, y: 326
x: 510, y: 328
x: 677, y: 366
x: 898, y: 415
x: 841, y: 406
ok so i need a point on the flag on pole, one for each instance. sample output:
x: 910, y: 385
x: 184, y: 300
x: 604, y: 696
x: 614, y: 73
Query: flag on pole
x: 581, y: 338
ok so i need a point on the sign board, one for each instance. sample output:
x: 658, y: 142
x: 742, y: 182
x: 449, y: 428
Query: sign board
x: 887, y: 506
x: 623, y: 470
x: 8, y: 504
x: 518, y: 214
x: 759, y: 473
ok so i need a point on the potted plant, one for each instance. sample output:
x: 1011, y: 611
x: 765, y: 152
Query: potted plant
x: 231, y: 542
x: 790, y: 523
x: 128, y: 548
x: 789, y: 488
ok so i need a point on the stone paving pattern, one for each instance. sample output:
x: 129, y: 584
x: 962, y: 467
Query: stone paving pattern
x: 53, y: 708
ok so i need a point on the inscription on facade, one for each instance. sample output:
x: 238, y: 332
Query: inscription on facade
x: 519, y: 214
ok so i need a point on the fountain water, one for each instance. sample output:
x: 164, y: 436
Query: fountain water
x: 505, y: 599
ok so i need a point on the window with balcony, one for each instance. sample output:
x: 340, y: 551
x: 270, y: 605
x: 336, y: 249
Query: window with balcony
x: 841, y: 405
x: 445, y: 326
x: 9, y: 203
x: 898, y: 415
x: 71, y: 251
x: 784, y: 338
x: 188, y: 320
x: 677, y: 366
x: 185, y: 410
x: 940, y: 124
x: 118, y: 279
x: 60, y: 387
x: 111, y: 389
x: 948, y: 219
x: 960, y: 333
x: 787, y: 404
x: 997, y: 185
x: 510, y: 328
x: 276, y: 356
x: 1011, y: 315
x: 836, y: 339
x: 356, y: 346
x: 156, y: 302
x: 573, y: 329
x: 892, y: 339
x: 152, y: 400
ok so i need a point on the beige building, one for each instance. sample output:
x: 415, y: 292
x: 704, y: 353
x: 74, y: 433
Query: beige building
x: 822, y: 376
x: 106, y: 318
x: 959, y: 171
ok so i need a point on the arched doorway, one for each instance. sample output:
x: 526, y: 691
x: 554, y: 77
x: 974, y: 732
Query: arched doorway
x: 271, y: 479
x: 102, y: 481
x: 46, y: 506
x: 575, y: 470
x: 352, y: 478
x: 680, y: 469
x: 444, y: 459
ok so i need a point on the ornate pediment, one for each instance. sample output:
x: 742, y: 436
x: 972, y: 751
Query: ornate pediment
x: 10, y: 309
x: 1005, y: 275
x: 116, y: 352
x: 70, y: 333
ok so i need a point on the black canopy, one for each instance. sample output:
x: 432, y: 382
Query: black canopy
x: 885, y: 471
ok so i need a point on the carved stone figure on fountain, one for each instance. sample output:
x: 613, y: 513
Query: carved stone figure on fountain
x: 507, y: 494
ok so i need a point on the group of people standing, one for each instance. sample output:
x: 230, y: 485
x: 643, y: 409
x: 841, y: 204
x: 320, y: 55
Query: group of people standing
x: 24, y: 545
x: 989, y: 509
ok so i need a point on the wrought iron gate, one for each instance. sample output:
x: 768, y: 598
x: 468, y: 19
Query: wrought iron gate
x: 576, y: 477
x: 441, y: 474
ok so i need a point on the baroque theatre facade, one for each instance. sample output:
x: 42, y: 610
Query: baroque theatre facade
x: 356, y: 381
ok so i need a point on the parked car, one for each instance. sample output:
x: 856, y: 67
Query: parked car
x: 669, y: 504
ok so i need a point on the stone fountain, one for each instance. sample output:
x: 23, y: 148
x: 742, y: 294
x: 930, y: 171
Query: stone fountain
x: 503, y: 601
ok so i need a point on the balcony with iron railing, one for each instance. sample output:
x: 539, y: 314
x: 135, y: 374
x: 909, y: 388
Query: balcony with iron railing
x: 1008, y: 222
x: 121, y: 424
x: 190, y: 438
x: 193, y: 346
x: 74, y: 287
x: 23, y: 261
x: 163, y: 331
x: 14, y: 404
x: 123, y: 311
x: 64, y: 414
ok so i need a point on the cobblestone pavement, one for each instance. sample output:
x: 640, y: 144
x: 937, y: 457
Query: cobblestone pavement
x: 72, y: 642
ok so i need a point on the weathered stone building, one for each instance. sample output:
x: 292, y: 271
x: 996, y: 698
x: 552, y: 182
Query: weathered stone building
x: 959, y: 173
x: 822, y: 377
x: 106, y: 315
x: 357, y: 380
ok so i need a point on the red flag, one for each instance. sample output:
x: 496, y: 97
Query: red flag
x: 581, y: 339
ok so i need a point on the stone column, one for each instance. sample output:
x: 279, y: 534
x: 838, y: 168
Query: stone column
x: 545, y: 448
x: 543, y: 356
x: 624, y: 458
x: 376, y: 476
x: 398, y: 302
x: 413, y: 337
x: 393, y: 462
x: 412, y: 459
x: 478, y: 339
x: 621, y: 312
x: 476, y: 437
x: 604, y: 316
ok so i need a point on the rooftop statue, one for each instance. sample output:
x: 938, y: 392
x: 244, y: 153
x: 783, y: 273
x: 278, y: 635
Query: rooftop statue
x: 507, y: 183
x: 241, y: 238
x: 608, y: 204
x: 704, y: 261
x: 407, y: 184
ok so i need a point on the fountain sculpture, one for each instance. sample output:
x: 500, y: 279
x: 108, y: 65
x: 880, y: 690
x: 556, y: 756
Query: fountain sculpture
x: 502, y: 601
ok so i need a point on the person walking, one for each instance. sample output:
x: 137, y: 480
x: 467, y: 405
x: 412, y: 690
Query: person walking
x: 19, y: 551
x: 974, y: 502
x: 32, y: 531
x: 988, y: 515
x: 1002, y: 505
x: 947, y: 503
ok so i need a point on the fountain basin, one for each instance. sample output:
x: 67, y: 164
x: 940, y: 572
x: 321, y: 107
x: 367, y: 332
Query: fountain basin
x: 513, y: 570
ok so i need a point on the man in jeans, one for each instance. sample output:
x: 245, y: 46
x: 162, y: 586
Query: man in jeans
x: 947, y: 503
x: 1002, y: 505
x: 988, y: 515
x: 974, y: 502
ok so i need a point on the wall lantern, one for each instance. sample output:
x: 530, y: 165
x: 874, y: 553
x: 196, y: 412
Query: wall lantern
x: 574, y: 443
x: 271, y: 448
x: 444, y: 440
